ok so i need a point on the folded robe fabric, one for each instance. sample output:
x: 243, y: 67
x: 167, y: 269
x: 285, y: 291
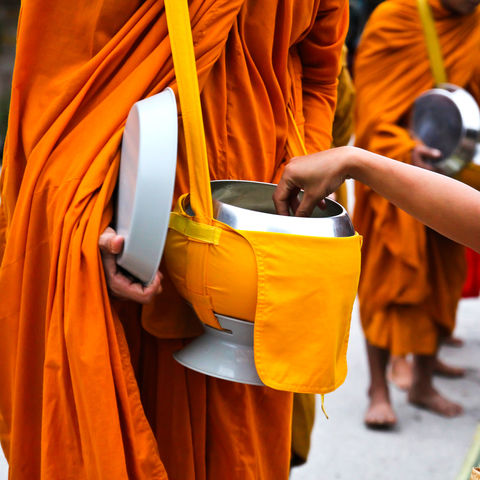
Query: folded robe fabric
x: 411, y: 277
x: 70, y: 403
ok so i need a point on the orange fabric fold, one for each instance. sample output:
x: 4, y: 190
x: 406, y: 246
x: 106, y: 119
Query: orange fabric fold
x: 86, y: 393
x: 408, y: 272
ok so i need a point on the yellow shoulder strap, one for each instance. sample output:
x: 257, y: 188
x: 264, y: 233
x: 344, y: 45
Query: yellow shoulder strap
x: 180, y: 33
x: 433, y: 45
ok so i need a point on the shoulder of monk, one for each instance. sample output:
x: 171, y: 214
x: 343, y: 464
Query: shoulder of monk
x: 394, y: 24
x: 392, y: 10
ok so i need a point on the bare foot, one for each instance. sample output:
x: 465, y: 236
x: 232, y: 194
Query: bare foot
x: 444, y: 370
x: 400, y: 372
x: 452, y: 341
x: 432, y: 400
x: 380, y: 414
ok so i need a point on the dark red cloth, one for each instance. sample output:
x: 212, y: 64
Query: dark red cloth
x: 471, y: 288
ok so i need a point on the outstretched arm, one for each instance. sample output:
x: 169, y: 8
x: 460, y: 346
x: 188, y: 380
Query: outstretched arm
x: 446, y: 205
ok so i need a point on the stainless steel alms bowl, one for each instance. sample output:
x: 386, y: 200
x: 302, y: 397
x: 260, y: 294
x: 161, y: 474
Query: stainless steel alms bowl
x: 247, y: 205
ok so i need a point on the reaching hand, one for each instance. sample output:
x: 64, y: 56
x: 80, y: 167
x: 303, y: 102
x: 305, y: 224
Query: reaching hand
x: 119, y: 285
x: 318, y: 174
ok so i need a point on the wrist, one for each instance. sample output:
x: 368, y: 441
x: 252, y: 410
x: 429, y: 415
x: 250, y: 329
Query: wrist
x: 351, y: 165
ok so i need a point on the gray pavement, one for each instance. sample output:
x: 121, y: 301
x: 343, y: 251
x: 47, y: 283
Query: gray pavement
x: 3, y: 467
x: 425, y: 446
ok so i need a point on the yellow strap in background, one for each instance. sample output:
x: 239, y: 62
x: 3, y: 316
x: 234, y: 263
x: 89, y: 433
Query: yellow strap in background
x: 295, y: 144
x: 296, y: 147
x: 180, y: 33
x: 433, y: 44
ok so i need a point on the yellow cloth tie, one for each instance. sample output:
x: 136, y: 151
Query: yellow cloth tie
x: 323, y: 407
x: 197, y: 231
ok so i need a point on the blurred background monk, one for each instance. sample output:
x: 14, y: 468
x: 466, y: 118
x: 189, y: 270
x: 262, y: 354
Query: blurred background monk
x: 411, y: 276
x: 89, y: 386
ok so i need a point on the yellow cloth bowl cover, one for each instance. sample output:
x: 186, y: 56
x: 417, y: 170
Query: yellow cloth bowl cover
x: 298, y: 290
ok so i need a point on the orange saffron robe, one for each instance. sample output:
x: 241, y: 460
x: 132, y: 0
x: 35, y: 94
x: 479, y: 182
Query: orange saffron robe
x: 411, y: 277
x: 86, y: 393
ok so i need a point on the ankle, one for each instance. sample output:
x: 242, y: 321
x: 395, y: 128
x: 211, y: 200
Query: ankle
x: 422, y: 387
x: 379, y: 393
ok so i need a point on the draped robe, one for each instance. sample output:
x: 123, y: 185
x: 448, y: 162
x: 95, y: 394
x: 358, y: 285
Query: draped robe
x: 86, y: 392
x: 411, y: 277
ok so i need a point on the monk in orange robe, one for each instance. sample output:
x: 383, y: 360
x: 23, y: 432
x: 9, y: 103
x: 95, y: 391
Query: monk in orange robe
x: 89, y: 386
x: 411, y: 277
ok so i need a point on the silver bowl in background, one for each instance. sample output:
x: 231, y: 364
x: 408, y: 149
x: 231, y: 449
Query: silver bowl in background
x: 448, y: 119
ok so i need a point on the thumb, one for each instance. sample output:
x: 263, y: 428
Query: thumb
x: 110, y: 242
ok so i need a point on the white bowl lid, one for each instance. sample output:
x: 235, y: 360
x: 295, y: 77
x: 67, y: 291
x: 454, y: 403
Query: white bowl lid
x: 146, y: 183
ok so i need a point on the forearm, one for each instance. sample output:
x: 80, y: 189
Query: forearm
x: 446, y: 205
